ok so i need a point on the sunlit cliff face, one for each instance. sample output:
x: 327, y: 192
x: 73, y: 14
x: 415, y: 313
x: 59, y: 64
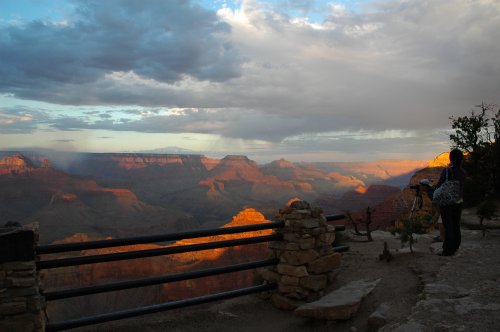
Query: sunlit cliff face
x: 16, y: 163
x: 442, y: 160
x: 246, y: 217
x: 155, y: 266
x: 361, y: 190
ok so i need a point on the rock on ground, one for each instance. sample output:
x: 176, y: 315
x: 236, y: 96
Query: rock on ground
x: 342, y: 303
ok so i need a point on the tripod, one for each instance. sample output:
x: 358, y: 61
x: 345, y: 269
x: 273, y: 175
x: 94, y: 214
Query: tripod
x: 417, y: 200
x: 416, y: 205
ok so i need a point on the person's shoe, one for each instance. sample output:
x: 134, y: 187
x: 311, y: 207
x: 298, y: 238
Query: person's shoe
x: 444, y: 254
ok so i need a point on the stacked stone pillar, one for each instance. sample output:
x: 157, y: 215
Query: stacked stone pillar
x: 307, y: 261
x: 21, y: 305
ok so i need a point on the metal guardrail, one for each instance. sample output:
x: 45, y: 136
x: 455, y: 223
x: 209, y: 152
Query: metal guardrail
x: 334, y: 217
x: 91, y: 259
x: 75, y: 292
x: 65, y: 247
x: 156, y: 308
x: 49, y: 264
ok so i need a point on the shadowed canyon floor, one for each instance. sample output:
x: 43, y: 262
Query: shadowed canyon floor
x: 423, y: 291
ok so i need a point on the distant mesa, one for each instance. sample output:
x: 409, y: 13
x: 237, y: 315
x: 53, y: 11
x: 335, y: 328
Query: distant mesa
x: 442, y: 160
x: 247, y: 217
x: 63, y: 197
x: 346, y: 181
x: 16, y: 164
x: 282, y: 163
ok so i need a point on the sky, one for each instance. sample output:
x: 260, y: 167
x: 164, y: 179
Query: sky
x: 302, y: 80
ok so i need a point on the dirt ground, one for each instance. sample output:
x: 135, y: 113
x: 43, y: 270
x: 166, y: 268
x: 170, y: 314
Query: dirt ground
x: 403, y: 288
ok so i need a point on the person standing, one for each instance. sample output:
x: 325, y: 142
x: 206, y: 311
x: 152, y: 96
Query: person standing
x: 451, y: 213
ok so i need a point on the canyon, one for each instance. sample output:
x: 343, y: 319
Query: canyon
x: 82, y: 197
x: 117, y: 194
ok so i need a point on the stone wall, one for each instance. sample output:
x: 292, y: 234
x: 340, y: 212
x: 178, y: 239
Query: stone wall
x: 21, y: 305
x: 307, y: 261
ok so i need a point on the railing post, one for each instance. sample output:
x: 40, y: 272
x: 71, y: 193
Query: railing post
x: 307, y: 261
x: 21, y: 305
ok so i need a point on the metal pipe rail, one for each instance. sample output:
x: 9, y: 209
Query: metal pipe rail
x: 156, y: 308
x: 91, y: 259
x: 65, y: 247
x: 333, y: 217
x: 68, y: 293
x: 49, y: 264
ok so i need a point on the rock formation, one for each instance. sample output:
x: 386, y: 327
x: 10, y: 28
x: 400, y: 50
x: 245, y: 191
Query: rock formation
x: 307, y: 261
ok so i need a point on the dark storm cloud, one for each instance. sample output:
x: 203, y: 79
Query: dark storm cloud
x: 156, y: 39
x: 64, y: 140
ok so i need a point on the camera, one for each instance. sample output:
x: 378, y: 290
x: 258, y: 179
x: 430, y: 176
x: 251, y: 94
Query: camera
x: 423, y: 182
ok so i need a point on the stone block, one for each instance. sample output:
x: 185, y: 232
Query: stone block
x: 324, y: 250
x: 21, y: 282
x: 307, y: 243
x: 318, y: 231
x: 324, y: 264
x: 299, y: 257
x: 379, y: 317
x: 294, y: 292
x: 284, y: 303
x: 288, y: 280
x: 23, y: 291
x: 291, y: 237
x: 314, y: 282
x: 18, y: 266
x: 326, y: 239
x: 13, y: 308
x: 290, y: 270
x: 269, y: 275
x: 310, y: 223
x: 340, y: 304
x: 24, y: 273
x: 288, y: 289
x: 330, y: 228
x: 298, y: 215
x: 292, y: 246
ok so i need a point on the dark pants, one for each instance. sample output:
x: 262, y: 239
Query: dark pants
x: 451, y: 215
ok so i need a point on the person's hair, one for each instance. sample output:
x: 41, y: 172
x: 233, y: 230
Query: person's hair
x: 456, y: 157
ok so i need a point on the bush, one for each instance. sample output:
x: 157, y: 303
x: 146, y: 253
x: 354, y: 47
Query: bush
x: 407, y: 227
